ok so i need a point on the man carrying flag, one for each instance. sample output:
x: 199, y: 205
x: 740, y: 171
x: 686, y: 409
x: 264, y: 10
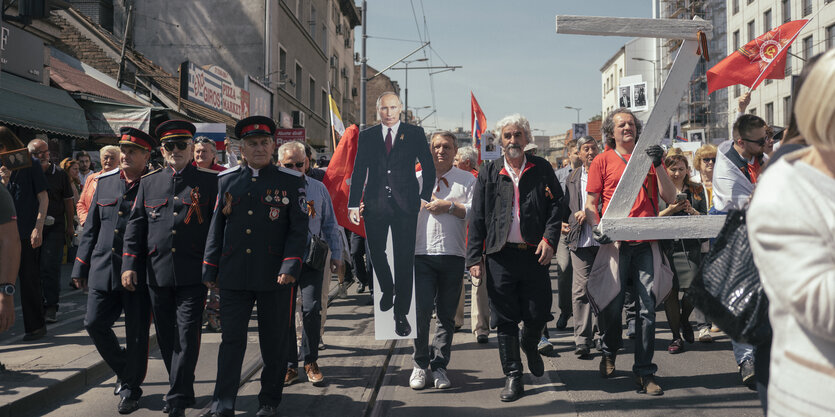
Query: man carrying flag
x: 762, y: 58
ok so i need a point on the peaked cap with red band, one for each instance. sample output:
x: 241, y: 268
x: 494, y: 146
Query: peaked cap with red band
x: 136, y: 137
x: 175, y: 130
x: 255, y: 125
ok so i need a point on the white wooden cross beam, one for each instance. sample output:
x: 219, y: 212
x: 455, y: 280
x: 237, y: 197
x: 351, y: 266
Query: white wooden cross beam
x: 615, y: 222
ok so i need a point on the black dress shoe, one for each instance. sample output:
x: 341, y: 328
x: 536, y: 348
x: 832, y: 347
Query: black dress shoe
x: 166, y: 408
x: 513, y: 389
x: 401, y: 325
x: 482, y: 338
x: 127, y: 405
x: 386, y: 302
x: 361, y: 288
x: 267, y: 411
x: 35, y: 335
x: 118, y: 388
x: 177, y: 412
x: 582, y: 352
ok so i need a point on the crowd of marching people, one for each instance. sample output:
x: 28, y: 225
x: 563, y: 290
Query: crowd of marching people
x: 196, y: 244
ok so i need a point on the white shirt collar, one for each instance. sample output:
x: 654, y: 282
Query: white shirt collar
x: 254, y: 171
x: 393, y: 130
x: 510, y: 171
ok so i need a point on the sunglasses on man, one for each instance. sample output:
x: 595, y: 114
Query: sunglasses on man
x: 760, y: 142
x: 297, y: 165
x: 169, y: 146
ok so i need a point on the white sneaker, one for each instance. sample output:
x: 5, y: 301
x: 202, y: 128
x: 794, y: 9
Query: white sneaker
x: 704, y: 336
x: 342, y: 292
x: 441, y: 380
x: 418, y: 379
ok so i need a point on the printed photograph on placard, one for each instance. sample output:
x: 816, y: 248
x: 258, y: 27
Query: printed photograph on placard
x: 696, y: 135
x: 16, y: 159
x: 491, y: 146
x: 625, y: 96
x: 579, y: 130
x: 639, y: 97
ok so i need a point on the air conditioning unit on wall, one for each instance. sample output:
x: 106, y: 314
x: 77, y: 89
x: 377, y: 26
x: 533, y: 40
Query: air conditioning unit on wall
x: 298, y: 118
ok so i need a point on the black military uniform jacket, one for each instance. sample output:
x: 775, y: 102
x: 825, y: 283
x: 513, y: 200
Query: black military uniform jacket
x: 258, y: 230
x: 99, y: 256
x: 393, y: 174
x: 167, y: 231
x: 540, y: 202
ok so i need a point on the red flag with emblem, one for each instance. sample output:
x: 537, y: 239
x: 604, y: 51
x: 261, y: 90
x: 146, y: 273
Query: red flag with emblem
x: 338, y: 178
x: 762, y: 58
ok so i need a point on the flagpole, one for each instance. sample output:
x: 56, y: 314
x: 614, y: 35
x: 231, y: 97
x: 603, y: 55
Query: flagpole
x: 751, y: 88
x: 330, y: 116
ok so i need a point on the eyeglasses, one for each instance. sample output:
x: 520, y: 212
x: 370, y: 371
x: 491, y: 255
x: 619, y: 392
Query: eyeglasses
x: 169, y: 146
x: 297, y: 165
x: 509, y: 135
x: 760, y: 142
x: 711, y: 160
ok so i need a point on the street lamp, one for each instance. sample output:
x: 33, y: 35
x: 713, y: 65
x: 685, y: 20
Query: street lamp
x: 654, y: 77
x: 407, y: 76
x: 415, y: 113
x: 578, y: 112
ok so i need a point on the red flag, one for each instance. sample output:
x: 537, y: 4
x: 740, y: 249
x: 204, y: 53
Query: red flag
x: 764, y: 57
x: 478, y: 124
x: 338, y: 176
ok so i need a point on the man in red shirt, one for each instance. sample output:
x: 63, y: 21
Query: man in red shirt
x: 635, y: 262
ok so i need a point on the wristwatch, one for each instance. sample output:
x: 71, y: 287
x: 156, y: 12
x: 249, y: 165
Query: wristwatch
x: 451, y: 208
x: 7, y: 289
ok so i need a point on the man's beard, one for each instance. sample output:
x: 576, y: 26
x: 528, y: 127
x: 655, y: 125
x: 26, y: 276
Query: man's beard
x: 513, y: 151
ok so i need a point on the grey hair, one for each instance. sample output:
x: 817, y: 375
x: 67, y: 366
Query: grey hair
x: 290, y: 146
x: 32, y: 143
x: 584, y: 140
x: 110, y: 149
x: 609, y: 125
x: 514, y: 120
x: 469, y: 153
x: 210, y: 143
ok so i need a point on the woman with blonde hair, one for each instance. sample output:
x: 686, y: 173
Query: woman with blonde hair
x: 791, y: 228
x: 703, y: 161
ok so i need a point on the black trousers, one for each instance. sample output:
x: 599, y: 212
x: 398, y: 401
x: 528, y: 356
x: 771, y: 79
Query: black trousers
x: 178, y: 316
x: 52, y: 251
x: 274, y: 327
x: 519, y: 289
x: 309, y: 285
x: 31, y: 292
x: 403, y: 228
x: 360, y: 264
x: 103, y: 309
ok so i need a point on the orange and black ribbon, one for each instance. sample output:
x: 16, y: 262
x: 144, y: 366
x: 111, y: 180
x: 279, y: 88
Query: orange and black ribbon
x: 442, y: 180
x: 702, y: 49
x: 227, y: 207
x: 311, y: 211
x: 195, y: 206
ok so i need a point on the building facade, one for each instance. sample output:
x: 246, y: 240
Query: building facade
x: 632, y: 63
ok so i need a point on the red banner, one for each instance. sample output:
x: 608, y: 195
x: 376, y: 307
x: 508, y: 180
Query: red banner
x: 338, y: 178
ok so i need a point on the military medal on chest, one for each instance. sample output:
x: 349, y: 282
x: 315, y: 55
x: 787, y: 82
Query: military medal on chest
x: 274, y: 211
x: 268, y: 198
x: 284, y: 199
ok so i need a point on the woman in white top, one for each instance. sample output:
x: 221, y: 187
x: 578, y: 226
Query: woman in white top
x: 791, y: 223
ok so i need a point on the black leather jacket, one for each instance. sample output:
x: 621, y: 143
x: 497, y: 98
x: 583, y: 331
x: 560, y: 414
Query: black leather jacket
x: 540, y: 196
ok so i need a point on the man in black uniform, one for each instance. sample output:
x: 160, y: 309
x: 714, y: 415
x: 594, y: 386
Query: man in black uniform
x: 515, y: 224
x: 254, y: 251
x: 99, y: 261
x: 167, y: 231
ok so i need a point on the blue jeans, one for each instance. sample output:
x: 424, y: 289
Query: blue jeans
x: 437, y: 285
x: 635, y: 268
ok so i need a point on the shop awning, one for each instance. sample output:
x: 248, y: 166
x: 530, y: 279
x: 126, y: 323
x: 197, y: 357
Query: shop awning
x: 106, y: 118
x: 39, y: 107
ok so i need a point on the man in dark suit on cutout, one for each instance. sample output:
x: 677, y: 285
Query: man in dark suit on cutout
x: 384, y: 180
